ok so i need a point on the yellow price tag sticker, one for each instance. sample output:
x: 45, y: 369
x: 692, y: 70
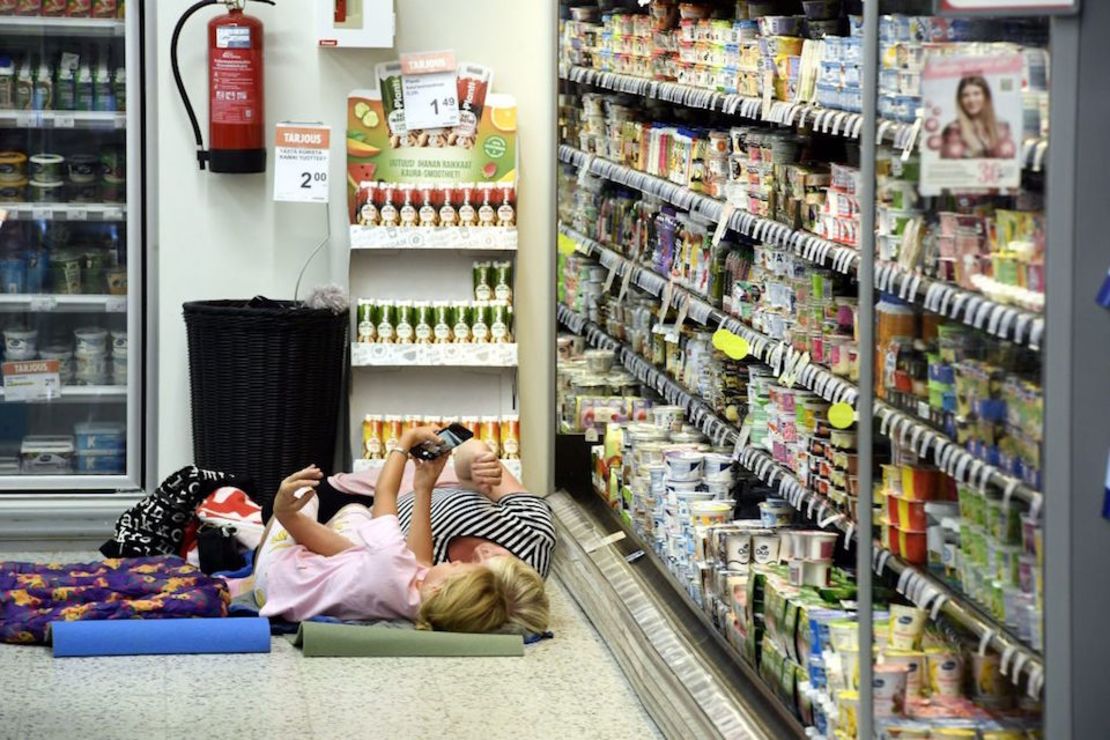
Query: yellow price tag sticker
x: 842, y: 415
x: 566, y: 245
x: 735, y: 347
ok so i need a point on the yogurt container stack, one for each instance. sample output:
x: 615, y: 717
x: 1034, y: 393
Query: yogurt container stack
x: 91, y: 353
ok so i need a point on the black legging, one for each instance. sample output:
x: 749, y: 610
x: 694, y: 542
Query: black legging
x: 331, y: 501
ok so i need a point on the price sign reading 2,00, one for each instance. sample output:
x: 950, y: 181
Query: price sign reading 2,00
x: 447, y: 103
x: 307, y: 178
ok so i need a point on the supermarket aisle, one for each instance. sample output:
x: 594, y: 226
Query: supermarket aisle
x: 569, y: 687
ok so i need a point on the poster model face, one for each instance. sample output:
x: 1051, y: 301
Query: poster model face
x: 973, y: 122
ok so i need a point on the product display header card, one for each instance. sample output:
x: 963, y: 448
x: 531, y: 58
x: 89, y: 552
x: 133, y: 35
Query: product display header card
x: 1007, y: 7
x: 301, y: 157
x: 383, y: 147
x: 429, y: 86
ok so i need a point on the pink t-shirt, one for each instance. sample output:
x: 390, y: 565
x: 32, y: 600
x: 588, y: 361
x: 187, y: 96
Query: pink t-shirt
x: 376, y: 579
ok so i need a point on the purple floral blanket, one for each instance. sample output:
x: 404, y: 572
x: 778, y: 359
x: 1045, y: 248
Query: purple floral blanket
x: 32, y: 595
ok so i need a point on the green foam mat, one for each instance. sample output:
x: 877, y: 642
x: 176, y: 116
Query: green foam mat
x: 324, y: 640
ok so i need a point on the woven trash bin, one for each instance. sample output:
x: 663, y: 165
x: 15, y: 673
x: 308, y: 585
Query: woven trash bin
x: 265, y: 381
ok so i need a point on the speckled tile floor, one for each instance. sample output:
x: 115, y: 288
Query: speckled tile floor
x: 565, y: 688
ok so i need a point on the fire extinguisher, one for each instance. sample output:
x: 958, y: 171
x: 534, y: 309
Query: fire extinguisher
x: 235, y: 91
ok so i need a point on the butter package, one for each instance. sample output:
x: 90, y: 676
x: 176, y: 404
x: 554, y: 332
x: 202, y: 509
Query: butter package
x: 47, y: 455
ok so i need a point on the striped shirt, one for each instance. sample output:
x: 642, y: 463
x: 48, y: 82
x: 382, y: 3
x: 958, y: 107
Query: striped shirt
x: 519, y: 522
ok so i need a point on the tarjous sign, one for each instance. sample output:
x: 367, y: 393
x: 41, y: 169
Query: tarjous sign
x: 32, y: 380
x: 301, y: 162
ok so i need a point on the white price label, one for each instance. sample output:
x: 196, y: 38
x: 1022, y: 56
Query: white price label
x: 37, y: 380
x: 63, y: 120
x: 77, y: 214
x: 430, y: 89
x: 40, y: 214
x: 116, y: 304
x: 43, y: 303
x: 301, y: 157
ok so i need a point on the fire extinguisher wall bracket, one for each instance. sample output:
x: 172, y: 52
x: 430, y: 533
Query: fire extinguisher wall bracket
x: 235, y: 96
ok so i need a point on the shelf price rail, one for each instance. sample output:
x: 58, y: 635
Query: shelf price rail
x: 913, y: 583
x: 902, y: 134
x: 947, y: 455
x: 940, y: 297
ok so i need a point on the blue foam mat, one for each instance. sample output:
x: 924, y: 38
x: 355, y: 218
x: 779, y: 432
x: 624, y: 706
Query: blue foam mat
x: 159, y: 636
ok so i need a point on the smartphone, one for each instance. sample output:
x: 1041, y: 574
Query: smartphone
x: 450, y: 438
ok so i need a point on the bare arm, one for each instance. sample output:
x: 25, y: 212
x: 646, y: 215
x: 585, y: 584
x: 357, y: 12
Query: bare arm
x: 478, y: 469
x: 313, y: 535
x: 305, y: 530
x: 388, y: 486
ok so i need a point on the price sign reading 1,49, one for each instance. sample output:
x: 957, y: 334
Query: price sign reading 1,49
x: 430, y: 89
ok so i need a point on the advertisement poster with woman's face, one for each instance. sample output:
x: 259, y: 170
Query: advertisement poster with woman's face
x: 973, y: 123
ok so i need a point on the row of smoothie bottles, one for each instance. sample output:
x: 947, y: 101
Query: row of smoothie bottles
x: 76, y: 83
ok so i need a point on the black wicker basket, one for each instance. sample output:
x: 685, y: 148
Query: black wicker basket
x: 266, y: 379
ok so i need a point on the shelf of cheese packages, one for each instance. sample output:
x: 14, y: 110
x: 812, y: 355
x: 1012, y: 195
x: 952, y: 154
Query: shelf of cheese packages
x: 945, y: 299
x: 944, y: 605
x: 902, y: 135
x: 922, y: 438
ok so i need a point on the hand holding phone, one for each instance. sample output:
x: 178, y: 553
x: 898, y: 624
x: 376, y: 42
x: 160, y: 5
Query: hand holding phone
x: 448, y: 439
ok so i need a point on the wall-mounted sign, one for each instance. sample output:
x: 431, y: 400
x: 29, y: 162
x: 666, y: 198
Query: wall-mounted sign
x: 1008, y: 7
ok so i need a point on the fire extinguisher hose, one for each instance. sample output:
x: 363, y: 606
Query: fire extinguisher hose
x: 202, y: 153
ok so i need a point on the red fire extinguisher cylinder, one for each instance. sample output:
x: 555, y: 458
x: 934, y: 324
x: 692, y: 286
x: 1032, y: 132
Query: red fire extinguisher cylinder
x: 236, y: 99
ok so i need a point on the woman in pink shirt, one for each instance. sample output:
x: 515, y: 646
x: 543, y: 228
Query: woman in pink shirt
x: 360, y: 566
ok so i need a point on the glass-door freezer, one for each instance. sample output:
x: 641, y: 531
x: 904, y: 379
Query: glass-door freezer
x: 71, y: 247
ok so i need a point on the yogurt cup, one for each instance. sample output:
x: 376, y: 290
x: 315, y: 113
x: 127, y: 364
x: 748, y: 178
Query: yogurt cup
x: 116, y: 278
x: 64, y: 356
x: 21, y: 343
x: 683, y: 465
x: 13, y: 167
x: 91, y: 370
x: 119, y: 343
x: 765, y: 547
x: 946, y: 671
x: 47, y: 168
x: 717, y: 467
x: 907, y: 623
x: 119, y: 370
x: 84, y: 168
x: 91, y: 341
x: 708, y: 513
x: 736, y: 550
x: 817, y: 546
x: 889, y: 690
x: 14, y: 191
x: 65, y: 273
x: 667, y: 417
x: 47, y: 192
x: 915, y: 663
x: 775, y: 512
x: 600, y: 360
x: 685, y: 500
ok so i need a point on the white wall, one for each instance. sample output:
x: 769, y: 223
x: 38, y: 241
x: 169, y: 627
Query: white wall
x: 221, y: 236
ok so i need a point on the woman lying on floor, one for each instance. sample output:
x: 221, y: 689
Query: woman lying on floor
x: 359, y: 564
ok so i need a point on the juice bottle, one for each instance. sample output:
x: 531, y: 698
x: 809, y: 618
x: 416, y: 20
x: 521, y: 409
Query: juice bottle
x: 43, y: 96
x: 103, y: 95
x: 119, y: 88
x: 24, y: 85
x: 7, y: 82
x: 83, y: 85
x: 448, y: 215
x: 468, y: 215
x: 65, y: 88
x: 408, y: 210
x: 428, y: 212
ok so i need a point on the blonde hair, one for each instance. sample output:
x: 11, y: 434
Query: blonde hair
x: 503, y: 592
